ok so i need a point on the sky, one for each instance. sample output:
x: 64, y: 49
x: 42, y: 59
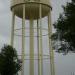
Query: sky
x: 64, y: 65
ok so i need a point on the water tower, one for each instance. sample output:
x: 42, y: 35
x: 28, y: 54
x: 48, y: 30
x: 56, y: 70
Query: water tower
x: 33, y: 11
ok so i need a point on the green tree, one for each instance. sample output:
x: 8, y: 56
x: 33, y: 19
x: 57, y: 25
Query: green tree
x: 9, y: 62
x: 65, y: 28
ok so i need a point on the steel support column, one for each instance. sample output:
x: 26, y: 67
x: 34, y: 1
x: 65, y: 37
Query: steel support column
x: 23, y: 39
x: 52, y: 68
x: 40, y: 63
x: 31, y: 47
x: 38, y: 44
x: 12, y: 29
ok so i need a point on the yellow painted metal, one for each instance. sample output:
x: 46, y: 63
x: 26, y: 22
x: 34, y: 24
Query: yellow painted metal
x: 38, y: 44
x: 23, y: 40
x: 20, y: 9
x: 40, y: 51
x: 31, y: 47
x: 12, y: 29
x: 52, y: 67
x: 17, y: 6
x: 14, y: 2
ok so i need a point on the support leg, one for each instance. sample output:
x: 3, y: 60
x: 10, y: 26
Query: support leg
x: 31, y: 47
x: 12, y: 29
x: 23, y: 40
x: 40, y: 56
x: 52, y: 68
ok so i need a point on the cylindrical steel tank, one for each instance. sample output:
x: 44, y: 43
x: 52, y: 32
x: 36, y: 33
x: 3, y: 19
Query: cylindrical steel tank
x: 31, y: 8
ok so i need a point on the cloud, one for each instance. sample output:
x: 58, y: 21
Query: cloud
x: 3, y: 40
x: 5, y: 21
x: 4, y: 6
x: 1, y: 6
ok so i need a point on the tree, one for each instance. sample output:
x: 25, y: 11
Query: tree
x: 65, y: 28
x: 9, y: 62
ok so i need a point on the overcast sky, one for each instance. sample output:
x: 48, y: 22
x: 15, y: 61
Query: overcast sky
x: 64, y: 65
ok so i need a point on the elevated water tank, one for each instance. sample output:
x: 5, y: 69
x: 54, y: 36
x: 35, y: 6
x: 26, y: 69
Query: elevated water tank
x: 31, y: 8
